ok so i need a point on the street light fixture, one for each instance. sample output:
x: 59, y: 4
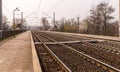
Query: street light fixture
x: 17, y: 9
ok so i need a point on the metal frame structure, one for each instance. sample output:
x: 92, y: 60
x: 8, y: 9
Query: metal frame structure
x: 17, y: 9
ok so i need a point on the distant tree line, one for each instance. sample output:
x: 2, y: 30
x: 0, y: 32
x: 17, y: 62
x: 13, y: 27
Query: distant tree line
x: 99, y: 22
x: 18, y: 24
x: 65, y: 25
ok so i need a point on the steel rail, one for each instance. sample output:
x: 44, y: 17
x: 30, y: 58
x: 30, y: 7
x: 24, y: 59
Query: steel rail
x: 65, y: 42
x: 62, y: 65
x: 112, y: 49
x: 89, y: 58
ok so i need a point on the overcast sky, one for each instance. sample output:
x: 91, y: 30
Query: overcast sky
x: 62, y: 8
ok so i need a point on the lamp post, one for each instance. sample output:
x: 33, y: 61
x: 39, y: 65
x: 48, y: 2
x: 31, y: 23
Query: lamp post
x: 0, y: 20
x: 119, y: 18
x: 22, y: 22
x: 78, y: 23
x: 17, y: 9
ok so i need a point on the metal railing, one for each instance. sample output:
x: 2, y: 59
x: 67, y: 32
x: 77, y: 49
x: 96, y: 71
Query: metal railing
x: 5, y: 34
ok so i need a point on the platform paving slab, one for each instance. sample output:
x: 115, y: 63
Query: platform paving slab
x: 16, y: 54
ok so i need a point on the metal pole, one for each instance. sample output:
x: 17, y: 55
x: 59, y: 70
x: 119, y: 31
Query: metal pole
x: 0, y: 14
x: 14, y: 22
x: 22, y: 20
x: 78, y: 22
x: 119, y: 10
x: 54, y: 18
x: 119, y: 17
x: 0, y: 20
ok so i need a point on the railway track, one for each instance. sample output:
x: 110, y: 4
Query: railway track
x: 60, y: 49
x: 57, y: 37
x: 73, y: 61
x: 115, y: 45
x: 107, y: 54
x: 98, y: 53
x: 101, y: 42
x: 108, y: 45
x: 48, y: 60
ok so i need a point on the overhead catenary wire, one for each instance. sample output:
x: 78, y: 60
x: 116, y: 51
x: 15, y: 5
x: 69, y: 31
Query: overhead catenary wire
x: 10, y: 13
x: 30, y: 14
x: 38, y: 8
x: 47, y: 15
x: 39, y: 5
x: 57, y: 5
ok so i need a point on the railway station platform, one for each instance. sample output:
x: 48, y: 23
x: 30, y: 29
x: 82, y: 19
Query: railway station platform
x: 17, y: 54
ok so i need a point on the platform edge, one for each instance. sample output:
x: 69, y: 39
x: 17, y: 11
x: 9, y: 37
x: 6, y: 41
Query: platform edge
x: 36, y: 64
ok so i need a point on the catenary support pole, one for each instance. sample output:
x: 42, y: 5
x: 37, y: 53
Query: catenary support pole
x: 21, y: 20
x: 119, y: 17
x: 78, y: 23
x: 0, y: 20
x: 54, y: 18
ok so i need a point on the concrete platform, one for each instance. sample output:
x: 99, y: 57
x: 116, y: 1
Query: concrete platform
x: 16, y: 54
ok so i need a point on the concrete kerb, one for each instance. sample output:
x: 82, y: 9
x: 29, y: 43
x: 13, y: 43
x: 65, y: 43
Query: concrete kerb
x: 36, y: 63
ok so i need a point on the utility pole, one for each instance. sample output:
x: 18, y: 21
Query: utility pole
x: 0, y: 20
x: 119, y: 18
x: 54, y: 18
x: 22, y: 20
x: 119, y: 11
x: 14, y: 19
x: 78, y: 23
x: 14, y: 22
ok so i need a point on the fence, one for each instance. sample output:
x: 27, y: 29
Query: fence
x: 9, y: 33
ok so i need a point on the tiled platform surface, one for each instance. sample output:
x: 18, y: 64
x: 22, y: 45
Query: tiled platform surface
x: 16, y: 54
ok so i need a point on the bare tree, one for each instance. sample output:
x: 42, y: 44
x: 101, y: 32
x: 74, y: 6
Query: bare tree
x: 4, y: 22
x: 104, y: 12
x: 69, y: 25
x: 100, y: 19
x: 45, y: 23
x: 61, y: 24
